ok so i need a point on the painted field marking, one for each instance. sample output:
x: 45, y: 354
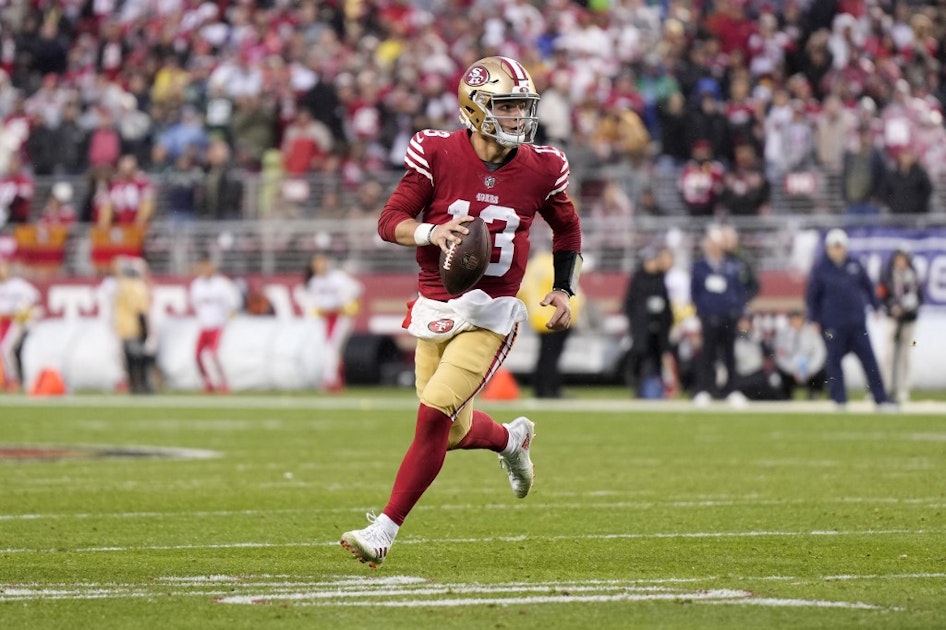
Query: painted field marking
x: 371, y: 403
x: 930, y: 503
x: 416, y: 592
x: 499, y: 539
x: 80, y: 452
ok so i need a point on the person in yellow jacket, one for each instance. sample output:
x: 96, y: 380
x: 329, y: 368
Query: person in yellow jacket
x: 536, y: 284
x: 131, y: 319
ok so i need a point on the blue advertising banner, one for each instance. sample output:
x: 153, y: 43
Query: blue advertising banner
x: 874, y: 246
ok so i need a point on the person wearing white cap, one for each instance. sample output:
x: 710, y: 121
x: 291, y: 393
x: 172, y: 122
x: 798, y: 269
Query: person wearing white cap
x: 837, y: 294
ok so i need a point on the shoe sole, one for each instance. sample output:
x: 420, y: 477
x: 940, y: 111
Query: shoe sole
x: 358, y: 553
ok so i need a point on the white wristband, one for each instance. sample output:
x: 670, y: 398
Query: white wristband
x: 423, y: 233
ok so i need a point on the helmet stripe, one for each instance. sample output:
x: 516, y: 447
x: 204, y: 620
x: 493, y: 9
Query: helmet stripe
x: 519, y: 73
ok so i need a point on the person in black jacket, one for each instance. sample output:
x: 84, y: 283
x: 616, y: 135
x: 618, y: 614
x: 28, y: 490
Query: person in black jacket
x: 649, y: 317
x: 907, y: 188
x: 901, y: 293
x: 221, y: 195
x: 838, y: 292
x: 746, y: 190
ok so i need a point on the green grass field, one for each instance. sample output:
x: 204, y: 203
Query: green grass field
x: 671, y: 518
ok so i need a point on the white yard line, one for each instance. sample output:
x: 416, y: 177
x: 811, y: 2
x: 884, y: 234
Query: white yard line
x: 928, y: 503
x: 416, y: 592
x: 369, y: 403
x: 499, y: 539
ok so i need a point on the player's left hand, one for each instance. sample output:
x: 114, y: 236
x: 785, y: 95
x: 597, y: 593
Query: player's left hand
x: 562, y: 317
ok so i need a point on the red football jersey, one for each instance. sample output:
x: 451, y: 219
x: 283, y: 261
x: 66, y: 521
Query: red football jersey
x: 126, y: 196
x: 445, y: 179
x: 16, y: 198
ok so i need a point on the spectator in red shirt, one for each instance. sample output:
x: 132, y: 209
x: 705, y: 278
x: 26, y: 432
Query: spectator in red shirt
x: 306, y: 145
x: 16, y: 193
x: 58, y: 209
x: 701, y: 181
x: 730, y: 24
x: 130, y: 198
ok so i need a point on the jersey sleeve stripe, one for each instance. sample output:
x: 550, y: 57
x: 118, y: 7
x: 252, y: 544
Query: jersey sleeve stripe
x: 417, y: 146
x: 409, y: 163
x: 557, y: 190
x: 417, y: 157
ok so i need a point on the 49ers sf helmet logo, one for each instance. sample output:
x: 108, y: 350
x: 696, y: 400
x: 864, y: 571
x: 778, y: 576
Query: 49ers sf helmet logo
x: 440, y: 326
x: 476, y: 76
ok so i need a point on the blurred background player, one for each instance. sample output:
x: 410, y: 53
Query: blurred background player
x: 901, y: 294
x: 332, y: 296
x: 490, y: 170
x: 131, y: 320
x: 214, y: 299
x: 18, y: 299
x: 838, y: 292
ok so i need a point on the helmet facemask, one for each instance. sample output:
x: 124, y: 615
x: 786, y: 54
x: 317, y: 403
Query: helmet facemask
x: 520, y: 126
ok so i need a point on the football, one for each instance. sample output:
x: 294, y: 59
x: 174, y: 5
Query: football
x: 464, y: 263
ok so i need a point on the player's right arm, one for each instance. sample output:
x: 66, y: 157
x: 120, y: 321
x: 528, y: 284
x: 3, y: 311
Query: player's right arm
x: 398, y: 221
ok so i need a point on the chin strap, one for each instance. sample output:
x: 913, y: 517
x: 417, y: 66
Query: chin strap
x: 567, y: 267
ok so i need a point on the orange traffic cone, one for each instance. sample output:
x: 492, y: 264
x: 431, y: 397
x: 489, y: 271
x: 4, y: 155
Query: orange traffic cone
x: 502, y: 386
x: 48, y: 383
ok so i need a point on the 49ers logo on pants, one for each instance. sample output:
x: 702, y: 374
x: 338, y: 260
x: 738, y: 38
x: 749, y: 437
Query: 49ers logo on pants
x: 440, y: 326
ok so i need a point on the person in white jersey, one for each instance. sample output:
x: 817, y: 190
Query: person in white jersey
x: 332, y: 295
x: 18, y: 300
x: 214, y: 299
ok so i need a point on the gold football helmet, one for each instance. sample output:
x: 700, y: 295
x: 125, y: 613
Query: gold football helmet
x: 498, y: 99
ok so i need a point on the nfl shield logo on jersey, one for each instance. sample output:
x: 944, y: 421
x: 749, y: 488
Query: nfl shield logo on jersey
x: 489, y: 181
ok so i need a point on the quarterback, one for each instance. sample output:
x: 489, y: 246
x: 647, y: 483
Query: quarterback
x: 492, y: 171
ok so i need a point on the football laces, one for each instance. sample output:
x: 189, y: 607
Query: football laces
x: 448, y: 259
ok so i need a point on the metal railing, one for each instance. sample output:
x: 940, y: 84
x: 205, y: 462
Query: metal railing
x: 263, y: 243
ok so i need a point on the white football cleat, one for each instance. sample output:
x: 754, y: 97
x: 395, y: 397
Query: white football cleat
x: 702, y: 399
x: 370, y: 545
x: 737, y: 400
x: 517, y: 463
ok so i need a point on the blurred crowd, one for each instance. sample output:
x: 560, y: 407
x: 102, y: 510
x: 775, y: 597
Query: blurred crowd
x: 738, y: 97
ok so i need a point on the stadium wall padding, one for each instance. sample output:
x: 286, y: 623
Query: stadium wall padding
x: 256, y: 353
x: 269, y: 353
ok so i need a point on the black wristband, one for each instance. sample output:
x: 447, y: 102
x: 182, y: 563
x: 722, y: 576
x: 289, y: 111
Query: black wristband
x: 567, y: 266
